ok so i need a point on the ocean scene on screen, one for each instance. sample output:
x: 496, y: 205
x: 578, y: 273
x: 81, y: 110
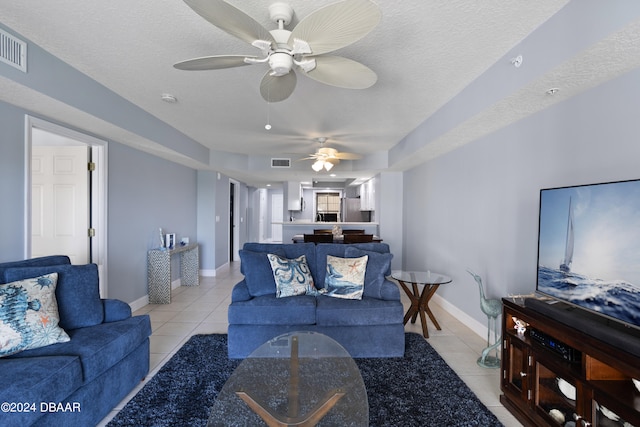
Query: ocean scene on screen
x: 589, y: 248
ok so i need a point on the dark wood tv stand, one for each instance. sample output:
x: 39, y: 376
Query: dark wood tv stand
x: 533, y: 375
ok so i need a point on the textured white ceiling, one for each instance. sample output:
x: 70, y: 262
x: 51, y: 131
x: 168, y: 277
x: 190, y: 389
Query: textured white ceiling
x: 425, y: 52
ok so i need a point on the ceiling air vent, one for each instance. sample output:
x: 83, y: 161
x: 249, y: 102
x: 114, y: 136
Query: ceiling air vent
x: 13, y: 51
x: 280, y: 163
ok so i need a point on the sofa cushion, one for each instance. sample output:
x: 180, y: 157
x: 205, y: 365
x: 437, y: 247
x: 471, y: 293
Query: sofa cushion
x: 99, y: 347
x: 292, y: 276
x: 269, y: 310
x: 33, y: 262
x: 78, y: 292
x: 291, y: 251
x: 29, y: 315
x: 345, y: 277
x: 364, y: 312
x: 377, y: 267
x: 257, y: 271
x: 35, y: 380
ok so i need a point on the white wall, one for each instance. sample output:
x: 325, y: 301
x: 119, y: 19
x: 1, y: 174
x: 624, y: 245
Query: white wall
x: 477, y: 207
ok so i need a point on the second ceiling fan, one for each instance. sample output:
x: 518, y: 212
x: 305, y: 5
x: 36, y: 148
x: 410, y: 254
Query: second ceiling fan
x: 327, y: 157
x: 304, y: 48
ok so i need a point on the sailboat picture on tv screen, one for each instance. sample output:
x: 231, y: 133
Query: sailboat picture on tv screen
x: 589, y: 248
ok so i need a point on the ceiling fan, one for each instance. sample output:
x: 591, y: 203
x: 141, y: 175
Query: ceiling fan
x: 304, y: 48
x: 327, y: 157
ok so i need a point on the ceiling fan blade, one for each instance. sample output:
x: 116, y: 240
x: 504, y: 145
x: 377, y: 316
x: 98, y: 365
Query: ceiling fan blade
x: 277, y: 88
x: 337, y: 25
x: 212, y: 62
x: 230, y: 19
x: 342, y: 72
x: 348, y: 156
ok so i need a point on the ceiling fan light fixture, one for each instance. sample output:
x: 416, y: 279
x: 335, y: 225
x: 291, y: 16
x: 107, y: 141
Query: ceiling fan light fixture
x: 328, y: 166
x: 280, y: 63
x: 317, y: 166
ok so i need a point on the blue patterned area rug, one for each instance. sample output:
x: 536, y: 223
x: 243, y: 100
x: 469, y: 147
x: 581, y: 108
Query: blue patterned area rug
x: 419, y: 389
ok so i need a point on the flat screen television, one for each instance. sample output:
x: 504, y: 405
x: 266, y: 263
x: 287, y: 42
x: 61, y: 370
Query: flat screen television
x: 589, y: 248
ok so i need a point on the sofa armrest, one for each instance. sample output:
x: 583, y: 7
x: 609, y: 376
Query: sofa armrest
x: 389, y: 291
x: 115, y: 310
x: 240, y: 292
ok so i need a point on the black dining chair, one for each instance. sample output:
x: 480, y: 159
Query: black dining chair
x: 318, y: 238
x: 352, y: 231
x: 358, y: 238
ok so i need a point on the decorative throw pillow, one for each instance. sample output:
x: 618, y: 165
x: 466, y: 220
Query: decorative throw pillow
x: 29, y: 315
x: 345, y: 277
x: 292, y: 276
x: 377, y: 267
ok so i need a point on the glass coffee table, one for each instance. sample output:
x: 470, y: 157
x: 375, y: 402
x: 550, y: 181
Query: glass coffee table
x: 296, y: 379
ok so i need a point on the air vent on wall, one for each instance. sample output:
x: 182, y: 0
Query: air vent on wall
x: 280, y: 163
x: 13, y: 51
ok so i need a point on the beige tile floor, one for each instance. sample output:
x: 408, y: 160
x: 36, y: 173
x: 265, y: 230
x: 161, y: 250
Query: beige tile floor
x: 203, y: 310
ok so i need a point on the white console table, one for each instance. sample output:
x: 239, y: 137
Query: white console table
x: 159, y: 271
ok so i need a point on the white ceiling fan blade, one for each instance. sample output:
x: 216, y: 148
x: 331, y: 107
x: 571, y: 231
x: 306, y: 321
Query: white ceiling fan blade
x: 212, y: 62
x: 348, y: 156
x: 277, y: 88
x: 230, y: 19
x: 337, y: 25
x: 342, y: 72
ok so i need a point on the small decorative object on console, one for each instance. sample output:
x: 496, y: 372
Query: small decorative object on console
x: 170, y: 240
x: 519, y: 325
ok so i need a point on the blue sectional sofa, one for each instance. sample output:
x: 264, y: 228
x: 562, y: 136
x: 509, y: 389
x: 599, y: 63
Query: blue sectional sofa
x: 368, y: 327
x: 77, y: 382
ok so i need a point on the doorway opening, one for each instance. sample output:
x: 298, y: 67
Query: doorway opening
x: 234, y: 231
x: 66, y: 195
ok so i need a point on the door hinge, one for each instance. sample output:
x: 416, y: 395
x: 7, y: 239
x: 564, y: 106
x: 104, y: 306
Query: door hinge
x: 91, y: 166
x: 92, y: 232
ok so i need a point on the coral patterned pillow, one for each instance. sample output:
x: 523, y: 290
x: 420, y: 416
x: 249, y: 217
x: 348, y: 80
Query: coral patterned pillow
x: 29, y: 315
x: 292, y: 276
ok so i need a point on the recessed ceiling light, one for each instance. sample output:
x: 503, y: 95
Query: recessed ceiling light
x: 167, y: 97
x: 333, y: 175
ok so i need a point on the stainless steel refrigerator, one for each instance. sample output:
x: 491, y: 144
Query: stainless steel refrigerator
x: 351, y: 211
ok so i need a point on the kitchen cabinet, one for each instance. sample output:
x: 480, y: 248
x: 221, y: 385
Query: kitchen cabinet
x: 543, y: 386
x: 367, y: 196
x: 294, y: 196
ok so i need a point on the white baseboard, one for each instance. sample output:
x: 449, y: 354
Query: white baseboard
x: 141, y: 302
x: 208, y: 273
x: 463, y: 317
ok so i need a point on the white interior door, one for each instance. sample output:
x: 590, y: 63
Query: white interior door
x: 60, y: 202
